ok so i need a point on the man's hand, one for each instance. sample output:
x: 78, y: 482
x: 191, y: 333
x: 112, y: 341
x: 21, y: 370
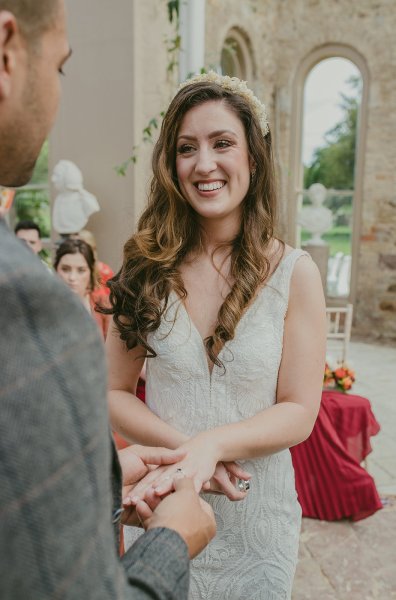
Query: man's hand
x: 184, y: 512
x: 136, y: 461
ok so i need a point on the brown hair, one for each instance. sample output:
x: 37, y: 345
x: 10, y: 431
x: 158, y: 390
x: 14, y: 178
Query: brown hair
x: 70, y: 246
x: 34, y: 16
x: 168, y: 231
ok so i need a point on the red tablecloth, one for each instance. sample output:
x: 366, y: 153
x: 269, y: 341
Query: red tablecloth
x: 330, y: 482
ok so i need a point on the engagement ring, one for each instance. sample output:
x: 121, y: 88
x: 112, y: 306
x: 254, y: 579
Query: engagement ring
x: 243, y: 485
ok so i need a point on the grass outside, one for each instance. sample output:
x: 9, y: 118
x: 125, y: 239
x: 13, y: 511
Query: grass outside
x: 339, y: 239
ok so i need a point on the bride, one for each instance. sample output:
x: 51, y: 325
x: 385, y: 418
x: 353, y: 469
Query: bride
x: 232, y: 321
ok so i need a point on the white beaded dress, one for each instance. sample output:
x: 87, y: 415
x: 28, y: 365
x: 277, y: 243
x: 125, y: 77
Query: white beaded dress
x: 254, y: 553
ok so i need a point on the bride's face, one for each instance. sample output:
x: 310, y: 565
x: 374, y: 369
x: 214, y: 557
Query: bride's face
x: 212, y: 163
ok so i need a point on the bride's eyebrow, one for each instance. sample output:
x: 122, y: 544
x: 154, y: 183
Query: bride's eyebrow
x: 214, y: 134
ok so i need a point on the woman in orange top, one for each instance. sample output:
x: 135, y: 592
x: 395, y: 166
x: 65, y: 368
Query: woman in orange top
x: 75, y: 264
x: 104, y: 271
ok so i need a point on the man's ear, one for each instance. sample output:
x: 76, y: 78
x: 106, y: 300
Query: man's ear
x: 8, y: 33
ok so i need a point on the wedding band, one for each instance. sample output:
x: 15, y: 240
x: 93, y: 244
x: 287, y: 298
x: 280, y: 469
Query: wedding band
x: 243, y: 485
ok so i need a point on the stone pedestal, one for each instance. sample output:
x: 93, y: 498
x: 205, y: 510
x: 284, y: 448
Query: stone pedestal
x: 320, y: 255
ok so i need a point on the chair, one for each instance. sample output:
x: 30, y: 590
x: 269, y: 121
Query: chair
x: 339, y: 325
x: 334, y: 268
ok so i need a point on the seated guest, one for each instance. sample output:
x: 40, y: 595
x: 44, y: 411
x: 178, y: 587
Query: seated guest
x: 75, y: 264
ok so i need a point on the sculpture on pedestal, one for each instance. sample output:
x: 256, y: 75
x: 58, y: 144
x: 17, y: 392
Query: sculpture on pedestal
x: 73, y: 204
x: 316, y: 218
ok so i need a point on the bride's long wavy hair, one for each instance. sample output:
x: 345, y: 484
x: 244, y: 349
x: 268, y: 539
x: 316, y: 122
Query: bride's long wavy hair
x: 168, y: 231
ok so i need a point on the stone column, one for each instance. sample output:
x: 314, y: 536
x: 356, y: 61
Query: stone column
x: 320, y: 256
x: 192, y: 31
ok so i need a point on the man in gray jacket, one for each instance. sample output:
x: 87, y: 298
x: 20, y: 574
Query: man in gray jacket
x: 60, y: 478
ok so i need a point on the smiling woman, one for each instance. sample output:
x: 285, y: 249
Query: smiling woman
x: 212, y: 164
x: 233, y: 323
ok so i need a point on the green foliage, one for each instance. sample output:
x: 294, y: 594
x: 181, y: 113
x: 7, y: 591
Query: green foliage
x: 40, y: 173
x: 173, y: 48
x: 32, y: 204
x: 148, y: 132
x: 333, y: 164
x: 338, y: 238
x: 173, y: 10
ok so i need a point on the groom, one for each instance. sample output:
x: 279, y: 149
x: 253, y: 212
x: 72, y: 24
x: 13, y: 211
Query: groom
x: 60, y: 477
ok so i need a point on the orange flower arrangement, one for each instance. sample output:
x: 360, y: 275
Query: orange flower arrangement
x: 342, y: 377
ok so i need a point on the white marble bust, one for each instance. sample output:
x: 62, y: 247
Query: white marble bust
x: 73, y: 205
x: 316, y: 218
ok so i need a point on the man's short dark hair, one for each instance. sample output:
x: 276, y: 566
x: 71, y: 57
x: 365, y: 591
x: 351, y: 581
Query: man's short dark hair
x: 34, y: 16
x: 27, y: 224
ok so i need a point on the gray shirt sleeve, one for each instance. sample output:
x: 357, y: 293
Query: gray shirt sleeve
x: 157, y: 566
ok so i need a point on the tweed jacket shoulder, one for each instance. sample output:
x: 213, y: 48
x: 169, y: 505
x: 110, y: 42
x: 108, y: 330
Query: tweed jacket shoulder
x: 56, y: 500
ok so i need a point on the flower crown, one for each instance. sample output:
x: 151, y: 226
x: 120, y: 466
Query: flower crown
x: 237, y: 86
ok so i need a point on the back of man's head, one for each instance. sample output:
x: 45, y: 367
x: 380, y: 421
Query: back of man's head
x: 34, y: 16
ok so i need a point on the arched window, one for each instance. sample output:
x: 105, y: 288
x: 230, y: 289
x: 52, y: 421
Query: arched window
x: 328, y: 138
x: 236, y: 56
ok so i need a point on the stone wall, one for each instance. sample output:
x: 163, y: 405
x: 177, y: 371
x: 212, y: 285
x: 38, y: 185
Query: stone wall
x: 283, y: 33
x: 117, y: 80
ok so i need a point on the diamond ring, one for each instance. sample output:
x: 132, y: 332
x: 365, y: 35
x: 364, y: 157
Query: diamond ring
x: 243, y: 485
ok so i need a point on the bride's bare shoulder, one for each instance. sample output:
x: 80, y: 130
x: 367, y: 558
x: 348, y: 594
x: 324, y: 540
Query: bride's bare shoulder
x: 277, y: 251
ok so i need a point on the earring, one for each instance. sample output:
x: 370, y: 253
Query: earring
x: 252, y: 174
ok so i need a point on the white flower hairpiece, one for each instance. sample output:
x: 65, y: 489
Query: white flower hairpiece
x: 233, y: 84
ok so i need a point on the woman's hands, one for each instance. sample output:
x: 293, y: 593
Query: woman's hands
x: 201, y: 463
x: 224, y: 481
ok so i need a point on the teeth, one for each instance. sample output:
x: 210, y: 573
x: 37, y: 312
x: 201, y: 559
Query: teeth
x: 209, y: 187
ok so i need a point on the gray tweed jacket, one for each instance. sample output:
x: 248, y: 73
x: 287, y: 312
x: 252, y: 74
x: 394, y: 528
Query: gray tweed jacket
x: 56, y: 455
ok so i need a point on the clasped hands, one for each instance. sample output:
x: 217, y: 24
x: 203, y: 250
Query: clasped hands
x: 151, y: 474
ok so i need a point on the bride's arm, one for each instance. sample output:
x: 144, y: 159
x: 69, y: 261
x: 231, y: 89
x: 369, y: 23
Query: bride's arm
x: 300, y: 380
x: 136, y: 423
x: 129, y: 416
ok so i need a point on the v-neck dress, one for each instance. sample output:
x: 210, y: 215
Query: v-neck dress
x: 254, y: 553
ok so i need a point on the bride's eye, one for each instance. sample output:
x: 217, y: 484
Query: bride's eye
x: 185, y: 148
x: 223, y: 144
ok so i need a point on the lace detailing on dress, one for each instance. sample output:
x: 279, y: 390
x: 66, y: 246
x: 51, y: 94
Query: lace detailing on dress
x: 255, y: 550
